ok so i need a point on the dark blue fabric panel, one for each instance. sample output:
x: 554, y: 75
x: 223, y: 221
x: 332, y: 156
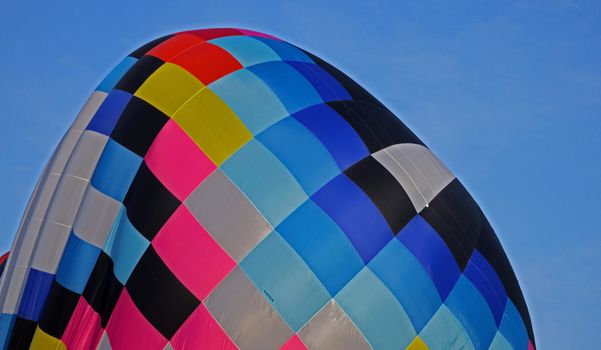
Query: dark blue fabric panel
x: 356, y: 214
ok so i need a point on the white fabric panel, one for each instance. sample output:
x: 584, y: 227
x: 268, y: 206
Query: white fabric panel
x: 88, y: 110
x: 95, y: 218
x: 330, y: 329
x: 27, y: 238
x: 13, y: 295
x: 66, y: 200
x: 245, y: 315
x: 50, y: 246
x: 64, y: 151
x: 417, y: 169
x: 85, y: 156
x: 104, y: 343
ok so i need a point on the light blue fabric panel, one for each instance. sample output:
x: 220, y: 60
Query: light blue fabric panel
x: 116, y: 170
x: 251, y: 99
x: 77, y: 264
x: 512, y: 327
x: 444, y: 331
x: 376, y: 312
x: 406, y: 278
x: 115, y: 75
x: 260, y: 176
x: 246, y: 49
x: 286, y: 51
x: 7, y: 322
x: 306, y: 158
x: 289, y: 85
x: 322, y: 245
x: 125, y: 246
x: 500, y: 343
x: 471, y: 309
x: 285, y: 280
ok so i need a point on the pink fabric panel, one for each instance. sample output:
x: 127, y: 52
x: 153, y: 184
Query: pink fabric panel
x: 190, y: 252
x: 201, y: 331
x: 129, y: 329
x: 177, y: 161
x: 530, y: 346
x: 294, y: 343
x: 254, y: 33
x: 84, y: 328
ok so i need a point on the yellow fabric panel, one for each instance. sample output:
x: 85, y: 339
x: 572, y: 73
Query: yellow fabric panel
x: 43, y: 341
x: 417, y: 344
x: 212, y: 125
x: 168, y: 88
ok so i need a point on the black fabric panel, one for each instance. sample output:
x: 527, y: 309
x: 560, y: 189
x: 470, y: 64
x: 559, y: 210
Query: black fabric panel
x: 159, y: 295
x: 142, y: 50
x: 59, y: 307
x: 376, y: 125
x: 103, y: 288
x: 384, y: 190
x: 490, y: 247
x: 138, y: 126
x: 149, y: 204
x: 356, y: 91
x: 22, y: 334
x: 456, y: 217
x: 138, y: 73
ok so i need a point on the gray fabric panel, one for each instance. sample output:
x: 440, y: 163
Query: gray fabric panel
x: 168, y: 347
x: 85, y: 156
x: 417, y: 169
x: 50, y: 246
x: 44, y: 196
x: 242, y: 311
x: 104, y: 343
x: 96, y: 216
x: 88, y: 110
x: 227, y: 215
x: 66, y: 200
x: 330, y: 329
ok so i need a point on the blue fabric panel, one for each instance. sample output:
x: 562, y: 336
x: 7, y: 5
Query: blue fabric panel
x: 285, y: 280
x: 289, y: 85
x: 251, y: 99
x: 125, y: 246
x: 115, y: 171
x: 76, y: 264
x: 34, y: 295
x: 408, y: 281
x: 115, y: 75
x: 355, y: 213
x: 108, y: 113
x: 311, y: 164
x: 259, y: 174
x: 322, y: 245
x: 431, y: 251
x: 512, y: 327
x: 484, y: 277
x: 341, y: 140
x: 444, y: 331
x: 376, y: 312
x: 7, y: 322
x: 328, y: 88
x: 470, y: 308
x: 246, y: 49
x: 286, y: 51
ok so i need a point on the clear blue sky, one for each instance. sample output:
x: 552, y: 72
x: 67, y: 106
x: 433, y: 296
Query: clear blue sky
x: 506, y: 93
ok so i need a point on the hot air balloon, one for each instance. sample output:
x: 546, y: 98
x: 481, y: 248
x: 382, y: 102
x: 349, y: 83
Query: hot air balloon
x: 224, y: 189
